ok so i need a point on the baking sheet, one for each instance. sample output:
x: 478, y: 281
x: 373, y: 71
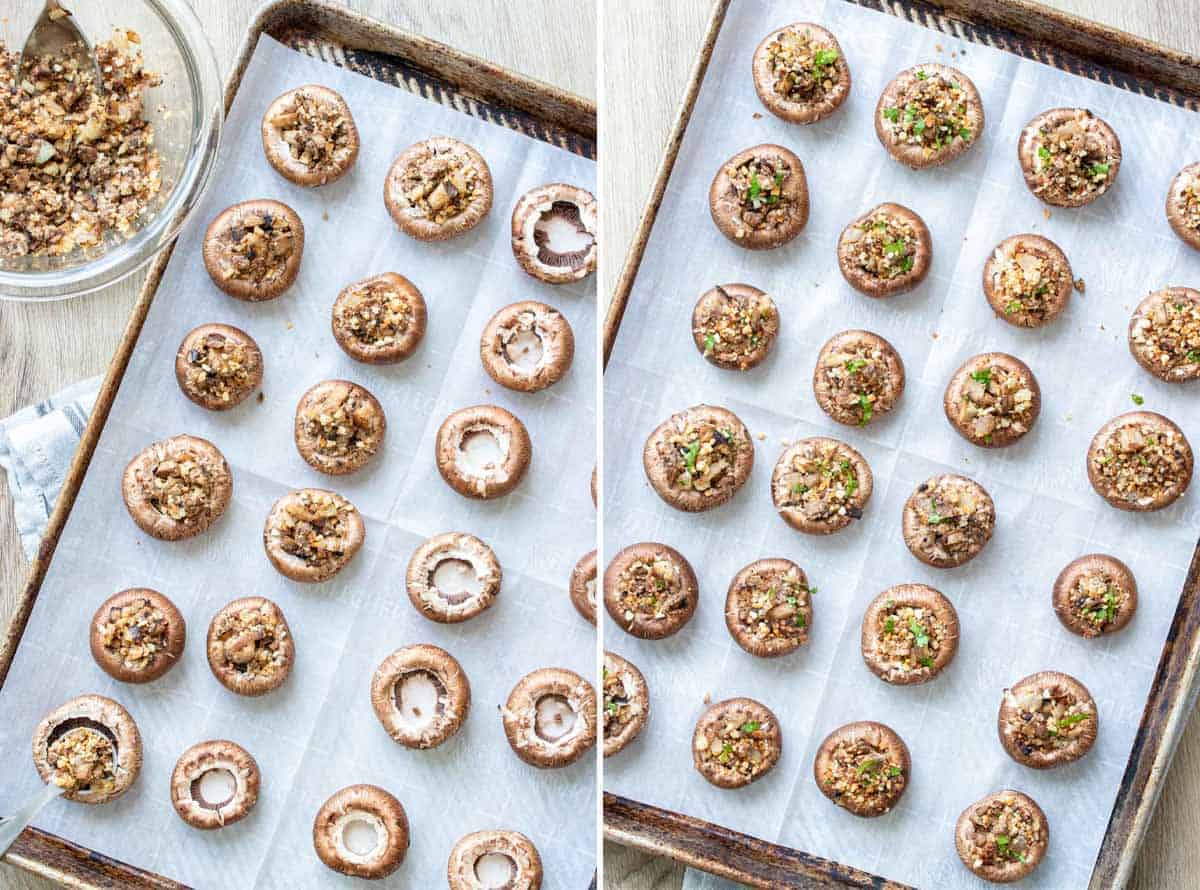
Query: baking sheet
x: 318, y: 733
x: 1048, y: 514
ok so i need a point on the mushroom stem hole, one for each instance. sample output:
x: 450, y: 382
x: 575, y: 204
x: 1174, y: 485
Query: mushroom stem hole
x: 495, y: 870
x: 456, y: 580
x: 215, y: 788
x: 560, y: 230
x: 419, y: 696
x: 554, y: 718
x: 524, y: 351
x: 360, y: 836
x: 481, y: 451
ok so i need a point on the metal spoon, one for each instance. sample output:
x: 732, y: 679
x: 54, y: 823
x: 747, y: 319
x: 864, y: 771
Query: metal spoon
x: 12, y: 826
x: 56, y: 34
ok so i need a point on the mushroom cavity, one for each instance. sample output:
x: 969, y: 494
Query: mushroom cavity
x: 420, y: 695
x: 483, y: 452
x: 456, y: 581
x: 214, y: 784
x: 527, y: 346
x: 361, y: 831
x: 554, y: 233
x: 550, y: 717
x: 555, y: 718
x: 214, y: 788
x: 453, y: 577
x: 494, y: 860
x: 495, y: 870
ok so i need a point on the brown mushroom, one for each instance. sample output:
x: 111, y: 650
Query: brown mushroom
x: 1002, y: 837
x: 863, y: 767
x: 858, y: 377
x: 909, y: 634
x: 626, y: 703
x: 554, y: 232
x: 1027, y: 280
x: 736, y: 742
x: 992, y: 400
x: 250, y: 646
x: 768, y: 608
x: 1047, y: 719
x: 1140, y: 461
x: 1069, y: 156
x: 948, y: 520
x: 309, y: 135
x: 361, y: 831
x: 438, y: 189
x: 483, y: 452
x: 421, y: 695
x: 453, y: 577
x: 218, y: 366
x: 582, y: 586
x: 252, y: 250
x: 821, y: 485
x: 177, y: 488
x: 137, y: 635
x: 650, y: 590
x: 214, y: 784
x: 89, y: 747
x: 885, y: 252
x: 379, y: 320
x: 928, y: 115
x: 1183, y: 205
x: 339, y: 427
x: 1095, y: 595
x: 759, y: 197
x: 527, y: 346
x: 1164, y: 334
x: 312, y: 534
x: 734, y: 326
x: 800, y: 73
x: 550, y: 718
x: 503, y: 860
x: 698, y: 458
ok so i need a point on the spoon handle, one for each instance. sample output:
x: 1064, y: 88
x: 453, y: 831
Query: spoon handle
x: 12, y: 826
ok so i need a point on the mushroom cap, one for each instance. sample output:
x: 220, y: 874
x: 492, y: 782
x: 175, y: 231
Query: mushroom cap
x: 1168, y: 494
x: 531, y: 208
x: 1077, y: 570
x: 203, y: 757
x: 871, y: 285
x: 160, y: 661
x: 914, y: 155
x: 428, y: 599
x: 278, y: 152
x: 645, y: 626
x: 1028, y: 243
x: 453, y: 702
x: 374, y: 806
x: 517, y: 848
x: 638, y: 694
x: 508, y: 432
x: 520, y: 714
x: 830, y: 358
x: 659, y: 453
x: 385, y: 353
x: 411, y: 219
x: 1031, y: 140
x: 137, y: 483
x: 227, y: 672
x: 787, y: 109
x: 528, y: 318
x: 961, y: 380
x: 102, y: 715
x: 768, y: 572
x: 914, y: 530
x: 794, y: 515
x: 879, y: 736
x: 714, y: 719
x: 317, y: 400
x: 746, y: 299
x: 920, y: 596
x: 1161, y: 355
x: 1008, y: 870
x: 295, y: 567
x: 214, y: 247
x: 582, y: 586
x: 1188, y: 177
x: 253, y: 365
x: 725, y: 205
x: 1008, y: 720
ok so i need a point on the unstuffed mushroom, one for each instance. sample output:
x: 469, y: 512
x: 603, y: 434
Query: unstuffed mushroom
x: 527, y: 346
x: 554, y: 232
x: 421, y: 695
x: 483, y: 452
x: 550, y: 718
x: 453, y: 577
x: 582, y: 586
x: 361, y: 831
x: 494, y: 860
x: 215, y: 784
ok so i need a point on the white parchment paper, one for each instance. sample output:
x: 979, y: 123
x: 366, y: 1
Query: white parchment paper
x: 1048, y: 514
x: 318, y: 732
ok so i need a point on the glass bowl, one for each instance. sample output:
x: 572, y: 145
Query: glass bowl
x: 186, y: 111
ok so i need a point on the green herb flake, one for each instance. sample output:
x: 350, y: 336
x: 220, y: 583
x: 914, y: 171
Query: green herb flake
x: 907, y: 265
x: 798, y: 488
x: 689, y: 457
x: 922, y: 638
x: 710, y: 341
x: 1193, y: 356
x: 889, y: 626
x: 1137, y: 399
x: 965, y: 133
x: 1099, y: 169
x: 750, y: 726
x: 921, y: 75
x: 755, y: 188
x: 868, y: 411
x: 892, y: 114
x: 895, y: 771
x: 1012, y: 306
x: 1043, y: 153
x: 982, y: 377
x: 869, y: 765
x: 895, y: 247
x: 854, y: 365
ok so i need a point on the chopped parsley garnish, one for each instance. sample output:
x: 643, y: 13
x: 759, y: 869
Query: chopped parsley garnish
x: 927, y: 662
x: 1012, y: 306
x: 799, y: 621
x: 1043, y: 153
x: 907, y: 265
x: 755, y: 188
x: 750, y: 726
x: 889, y: 626
x: 1099, y: 169
x: 1193, y: 356
x: 922, y: 638
x: 869, y: 765
x: 921, y: 75
x: 799, y: 488
x: 611, y: 707
x: 1072, y: 719
x: 1003, y: 848
x: 854, y: 365
x: 864, y: 405
x: 894, y: 247
x: 689, y: 458
x: 936, y: 518
x: 919, y: 126
x: 726, y: 753
x: 982, y: 377
x: 895, y: 771
x: 709, y: 342
x: 892, y: 114
x: 965, y: 133
x: 822, y: 59
x: 1137, y: 399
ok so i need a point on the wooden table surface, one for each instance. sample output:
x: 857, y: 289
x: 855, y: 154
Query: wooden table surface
x: 45, y: 347
x: 658, y: 42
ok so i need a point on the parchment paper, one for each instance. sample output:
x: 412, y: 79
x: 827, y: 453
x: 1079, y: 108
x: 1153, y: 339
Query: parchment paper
x: 1048, y: 514
x: 318, y: 732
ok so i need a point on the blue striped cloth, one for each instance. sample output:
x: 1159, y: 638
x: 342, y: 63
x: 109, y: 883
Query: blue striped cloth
x: 36, y: 447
